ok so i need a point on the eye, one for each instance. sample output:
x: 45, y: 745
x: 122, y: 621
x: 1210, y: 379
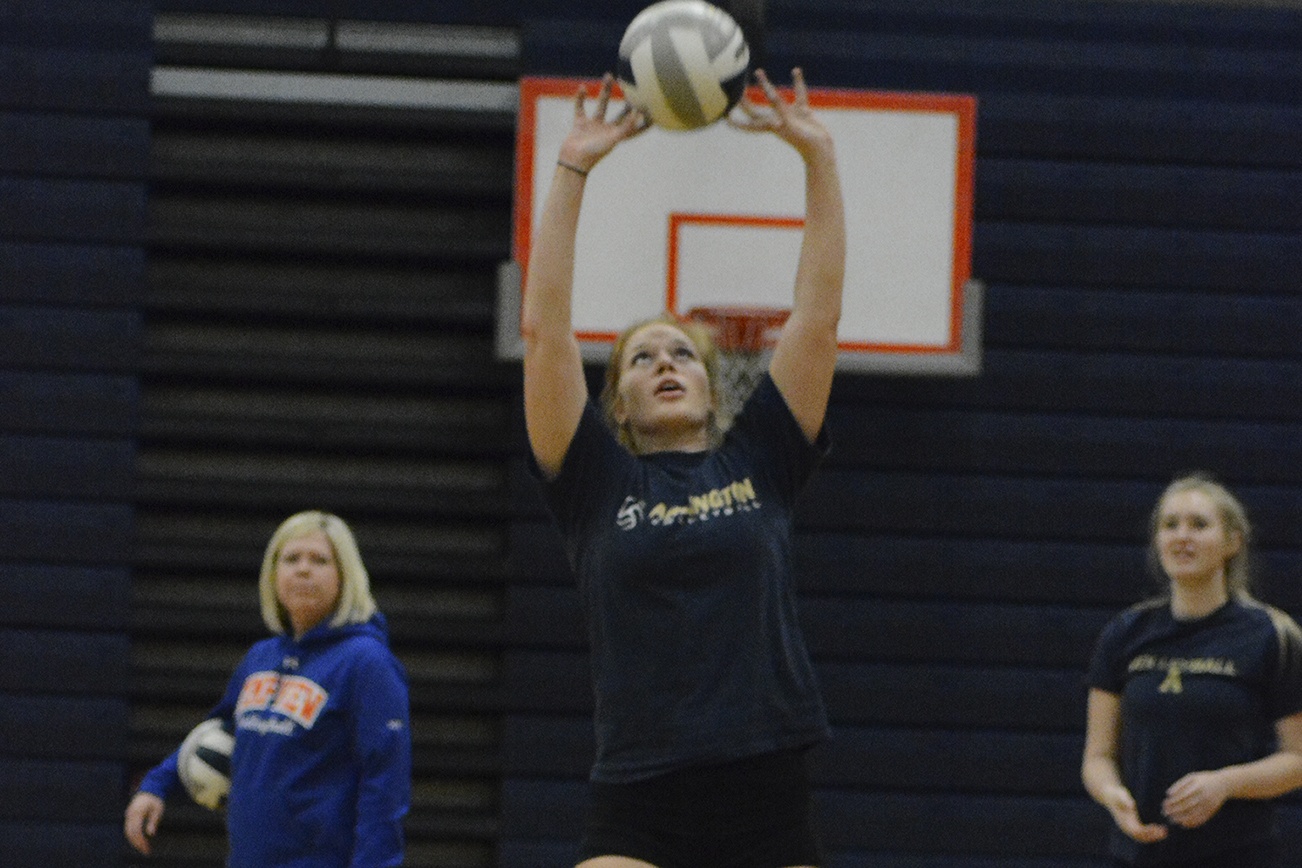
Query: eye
x: 684, y: 352
x: 639, y: 357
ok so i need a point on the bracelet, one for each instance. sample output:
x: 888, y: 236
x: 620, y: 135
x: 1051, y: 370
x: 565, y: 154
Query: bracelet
x: 573, y: 168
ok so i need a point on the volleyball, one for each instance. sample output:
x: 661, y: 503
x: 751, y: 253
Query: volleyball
x: 204, y: 763
x: 683, y: 63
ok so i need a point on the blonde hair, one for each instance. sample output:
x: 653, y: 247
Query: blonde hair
x: 355, y: 605
x: 1238, y: 567
x: 700, y: 337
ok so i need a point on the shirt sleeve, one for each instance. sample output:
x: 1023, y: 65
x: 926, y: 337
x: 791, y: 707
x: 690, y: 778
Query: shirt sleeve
x: 783, y: 451
x: 592, y: 464
x: 1105, y: 673
x: 382, y: 739
x: 1285, y: 696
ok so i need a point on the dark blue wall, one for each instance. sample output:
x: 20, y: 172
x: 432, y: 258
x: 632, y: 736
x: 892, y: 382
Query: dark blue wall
x: 74, y: 140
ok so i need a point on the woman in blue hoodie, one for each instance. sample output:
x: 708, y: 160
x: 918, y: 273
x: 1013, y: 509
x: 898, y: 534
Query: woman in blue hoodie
x: 321, y: 769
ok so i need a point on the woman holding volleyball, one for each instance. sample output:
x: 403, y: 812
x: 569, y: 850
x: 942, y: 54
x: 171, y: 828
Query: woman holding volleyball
x: 680, y: 533
x: 1195, y: 701
x: 321, y: 768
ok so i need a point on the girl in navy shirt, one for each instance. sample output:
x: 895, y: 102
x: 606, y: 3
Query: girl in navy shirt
x: 679, y: 532
x: 1195, y: 701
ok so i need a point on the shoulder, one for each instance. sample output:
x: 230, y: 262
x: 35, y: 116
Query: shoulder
x: 1279, y: 621
x: 264, y: 652
x: 369, y: 651
x: 1135, y: 623
x: 1139, y: 615
x: 593, y: 450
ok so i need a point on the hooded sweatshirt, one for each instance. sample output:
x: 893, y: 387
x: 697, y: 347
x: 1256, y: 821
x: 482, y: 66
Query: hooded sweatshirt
x: 321, y: 769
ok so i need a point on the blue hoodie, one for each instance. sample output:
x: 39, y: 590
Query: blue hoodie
x: 321, y: 771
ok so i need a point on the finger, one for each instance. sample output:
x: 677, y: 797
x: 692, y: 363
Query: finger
x: 750, y: 109
x: 603, y: 98
x: 767, y: 86
x: 579, y: 96
x: 755, y: 120
x: 798, y: 84
x: 641, y: 124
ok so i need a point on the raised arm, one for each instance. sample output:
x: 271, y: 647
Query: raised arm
x: 805, y: 356
x: 554, y: 387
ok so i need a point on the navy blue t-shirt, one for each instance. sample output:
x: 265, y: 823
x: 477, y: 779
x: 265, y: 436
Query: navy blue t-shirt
x: 683, y: 561
x: 1197, y: 695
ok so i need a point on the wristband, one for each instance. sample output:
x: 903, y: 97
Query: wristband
x: 573, y: 168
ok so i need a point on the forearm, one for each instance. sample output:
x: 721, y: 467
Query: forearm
x: 821, y: 272
x: 1266, y: 778
x: 1101, y: 778
x: 547, y: 303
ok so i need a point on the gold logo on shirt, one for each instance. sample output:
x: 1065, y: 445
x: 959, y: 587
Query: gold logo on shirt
x: 1177, y: 667
x: 734, y: 497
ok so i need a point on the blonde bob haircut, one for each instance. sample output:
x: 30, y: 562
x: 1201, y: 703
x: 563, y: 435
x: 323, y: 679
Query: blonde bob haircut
x: 355, y: 606
x: 706, y: 349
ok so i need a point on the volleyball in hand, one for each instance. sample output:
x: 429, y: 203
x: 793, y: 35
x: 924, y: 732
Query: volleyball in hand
x: 683, y: 63
x: 204, y: 763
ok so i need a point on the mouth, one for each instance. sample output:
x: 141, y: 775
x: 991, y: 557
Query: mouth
x: 669, y: 387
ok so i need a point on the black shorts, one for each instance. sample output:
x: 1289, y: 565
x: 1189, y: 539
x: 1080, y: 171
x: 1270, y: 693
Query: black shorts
x: 751, y: 813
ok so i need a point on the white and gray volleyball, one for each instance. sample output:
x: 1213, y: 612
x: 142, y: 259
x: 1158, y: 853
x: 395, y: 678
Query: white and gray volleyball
x: 683, y: 63
x: 204, y: 763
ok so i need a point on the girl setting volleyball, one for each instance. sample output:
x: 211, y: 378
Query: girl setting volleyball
x: 706, y: 700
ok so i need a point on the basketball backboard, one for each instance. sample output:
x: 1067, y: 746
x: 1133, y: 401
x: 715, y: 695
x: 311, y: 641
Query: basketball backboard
x: 673, y: 221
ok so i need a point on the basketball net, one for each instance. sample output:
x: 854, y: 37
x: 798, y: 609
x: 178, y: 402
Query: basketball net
x: 744, y: 337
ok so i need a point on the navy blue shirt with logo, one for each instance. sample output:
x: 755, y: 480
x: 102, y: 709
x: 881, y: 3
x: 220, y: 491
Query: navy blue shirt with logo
x: 683, y: 561
x: 1197, y: 695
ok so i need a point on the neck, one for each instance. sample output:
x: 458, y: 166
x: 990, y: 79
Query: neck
x: 691, y: 440
x: 1200, y: 600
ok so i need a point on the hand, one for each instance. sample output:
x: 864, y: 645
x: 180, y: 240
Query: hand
x: 1194, y: 799
x: 143, y: 815
x: 1121, y: 805
x: 795, y: 122
x: 591, y: 138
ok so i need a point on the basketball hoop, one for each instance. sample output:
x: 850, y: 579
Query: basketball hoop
x: 743, y: 335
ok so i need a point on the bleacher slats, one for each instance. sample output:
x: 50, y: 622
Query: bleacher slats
x: 1221, y: 198
x: 37, y: 594
x: 64, y: 662
x: 81, y: 81
x: 87, y: 275
x: 45, y: 338
x: 318, y: 334
x: 74, y: 145
x: 73, y: 131
x: 52, y: 843
x: 58, y: 210
x: 64, y: 728
x: 1129, y: 129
